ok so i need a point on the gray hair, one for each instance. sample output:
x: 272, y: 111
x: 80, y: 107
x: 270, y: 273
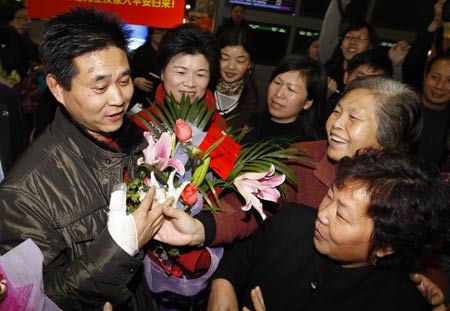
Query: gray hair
x: 398, y: 112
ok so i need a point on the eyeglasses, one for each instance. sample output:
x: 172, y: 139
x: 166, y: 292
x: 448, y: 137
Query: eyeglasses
x: 357, y: 38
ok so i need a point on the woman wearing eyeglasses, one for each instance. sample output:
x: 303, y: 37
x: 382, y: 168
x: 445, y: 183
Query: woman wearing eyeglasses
x: 335, y: 51
x: 357, y: 38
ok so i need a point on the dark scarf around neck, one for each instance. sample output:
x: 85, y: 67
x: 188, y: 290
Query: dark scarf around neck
x: 230, y: 89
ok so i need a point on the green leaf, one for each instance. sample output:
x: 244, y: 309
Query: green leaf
x: 213, y: 146
x: 162, y: 119
x: 164, y: 115
x: 260, y: 156
x: 206, y: 199
x: 171, y: 109
x: 184, y: 107
x: 147, y: 124
x: 214, y: 193
x: 174, y: 252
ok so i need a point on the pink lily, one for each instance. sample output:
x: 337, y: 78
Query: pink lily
x: 259, y: 185
x: 158, y: 153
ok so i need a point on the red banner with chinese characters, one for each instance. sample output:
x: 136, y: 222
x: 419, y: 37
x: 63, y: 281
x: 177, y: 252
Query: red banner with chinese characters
x: 155, y: 13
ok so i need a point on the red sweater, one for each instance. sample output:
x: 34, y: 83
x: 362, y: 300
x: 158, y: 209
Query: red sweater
x: 313, y: 184
x: 232, y: 223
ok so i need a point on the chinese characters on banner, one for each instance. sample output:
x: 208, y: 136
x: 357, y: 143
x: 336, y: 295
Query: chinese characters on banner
x: 155, y: 13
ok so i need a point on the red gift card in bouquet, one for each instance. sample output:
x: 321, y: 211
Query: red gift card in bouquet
x: 223, y: 156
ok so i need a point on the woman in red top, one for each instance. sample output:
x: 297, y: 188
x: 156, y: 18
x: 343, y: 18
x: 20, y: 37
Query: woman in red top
x: 189, y: 62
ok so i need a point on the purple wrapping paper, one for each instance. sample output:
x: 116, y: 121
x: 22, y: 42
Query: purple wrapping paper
x: 159, y: 281
x: 22, y: 268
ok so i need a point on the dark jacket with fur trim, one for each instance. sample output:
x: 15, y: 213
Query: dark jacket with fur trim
x: 58, y: 195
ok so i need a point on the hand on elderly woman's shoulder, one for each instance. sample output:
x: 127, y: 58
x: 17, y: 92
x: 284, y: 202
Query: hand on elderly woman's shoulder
x: 222, y: 296
x: 432, y: 293
x: 257, y: 300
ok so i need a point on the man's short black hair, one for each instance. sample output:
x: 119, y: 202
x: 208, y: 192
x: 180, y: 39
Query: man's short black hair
x: 77, y: 32
x: 374, y: 59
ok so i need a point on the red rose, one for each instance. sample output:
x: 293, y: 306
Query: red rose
x: 189, y: 194
x: 183, y: 131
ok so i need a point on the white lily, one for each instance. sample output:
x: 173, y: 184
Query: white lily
x: 164, y: 192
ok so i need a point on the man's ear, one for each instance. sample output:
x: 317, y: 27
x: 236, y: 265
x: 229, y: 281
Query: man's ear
x: 56, y: 88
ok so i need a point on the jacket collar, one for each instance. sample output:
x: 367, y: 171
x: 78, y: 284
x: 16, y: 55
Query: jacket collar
x: 129, y: 138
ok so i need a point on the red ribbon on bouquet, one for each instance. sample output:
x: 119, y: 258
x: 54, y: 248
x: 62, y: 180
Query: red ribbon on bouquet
x: 192, y: 264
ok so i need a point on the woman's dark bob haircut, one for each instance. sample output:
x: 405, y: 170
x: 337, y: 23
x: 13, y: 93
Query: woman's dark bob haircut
x: 408, y: 202
x: 188, y: 39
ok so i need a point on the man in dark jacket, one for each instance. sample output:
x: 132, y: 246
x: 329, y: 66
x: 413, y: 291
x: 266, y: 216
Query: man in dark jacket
x: 145, y: 68
x: 58, y: 193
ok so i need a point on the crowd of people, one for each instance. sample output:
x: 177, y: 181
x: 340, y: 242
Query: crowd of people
x: 366, y: 226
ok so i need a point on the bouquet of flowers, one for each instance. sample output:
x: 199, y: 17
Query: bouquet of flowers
x: 193, y: 161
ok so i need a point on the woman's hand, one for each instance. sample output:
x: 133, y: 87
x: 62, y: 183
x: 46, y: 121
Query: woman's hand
x: 430, y: 291
x: 398, y: 51
x: 437, y: 19
x: 222, y: 296
x: 331, y: 87
x: 257, y: 300
x: 180, y: 228
x: 143, y: 84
